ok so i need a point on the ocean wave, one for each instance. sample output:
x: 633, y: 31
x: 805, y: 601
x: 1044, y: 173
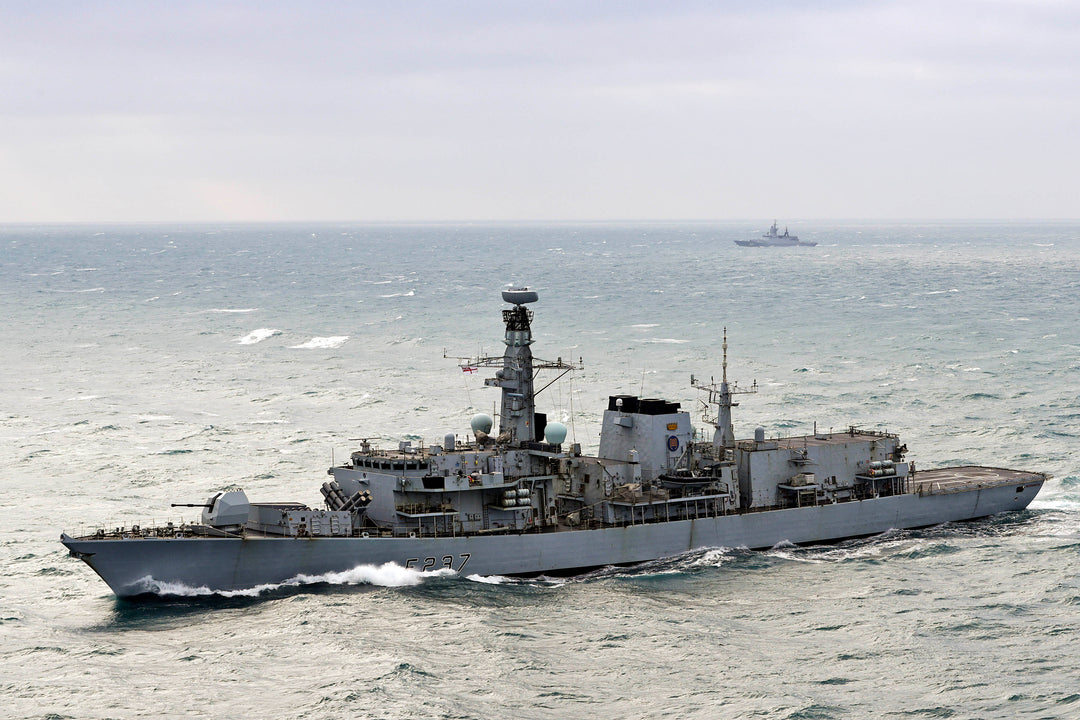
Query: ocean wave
x: 322, y: 343
x: 231, y: 310
x: 715, y: 557
x: 489, y: 579
x: 257, y: 336
x: 385, y: 575
x: 664, y: 341
x: 394, y: 295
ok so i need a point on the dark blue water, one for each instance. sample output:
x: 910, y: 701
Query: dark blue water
x: 148, y: 365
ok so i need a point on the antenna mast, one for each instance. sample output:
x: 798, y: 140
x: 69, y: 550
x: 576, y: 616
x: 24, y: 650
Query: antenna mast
x: 724, y: 437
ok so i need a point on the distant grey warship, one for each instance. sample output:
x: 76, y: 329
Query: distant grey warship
x: 773, y: 238
x: 522, y: 501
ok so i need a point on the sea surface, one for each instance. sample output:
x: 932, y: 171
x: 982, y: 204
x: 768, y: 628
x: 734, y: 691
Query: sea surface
x: 147, y: 365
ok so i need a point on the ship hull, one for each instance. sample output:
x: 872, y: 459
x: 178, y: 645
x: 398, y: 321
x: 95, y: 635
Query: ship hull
x: 138, y: 566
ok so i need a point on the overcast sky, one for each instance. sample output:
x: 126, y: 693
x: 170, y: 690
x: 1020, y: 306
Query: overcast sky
x: 114, y: 111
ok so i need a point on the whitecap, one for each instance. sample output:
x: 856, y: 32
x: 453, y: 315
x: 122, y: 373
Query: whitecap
x: 231, y: 310
x: 646, y: 325
x: 257, y: 336
x: 664, y: 341
x: 394, y: 295
x: 322, y: 343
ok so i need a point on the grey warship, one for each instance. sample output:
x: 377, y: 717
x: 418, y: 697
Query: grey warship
x: 773, y: 238
x: 522, y: 501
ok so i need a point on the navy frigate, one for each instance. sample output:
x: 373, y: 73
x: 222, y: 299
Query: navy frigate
x: 520, y: 500
x: 773, y: 238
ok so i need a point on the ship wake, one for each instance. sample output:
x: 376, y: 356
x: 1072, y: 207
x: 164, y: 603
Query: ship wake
x: 385, y: 575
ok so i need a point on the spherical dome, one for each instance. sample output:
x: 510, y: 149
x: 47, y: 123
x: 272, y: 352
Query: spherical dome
x: 481, y: 423
x: 555, y: 433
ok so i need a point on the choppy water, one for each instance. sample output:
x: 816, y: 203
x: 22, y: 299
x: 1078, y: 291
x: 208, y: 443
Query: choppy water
x: 149, y: 365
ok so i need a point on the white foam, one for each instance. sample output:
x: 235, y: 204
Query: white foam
x: 1055, y: 502
x: 664, y: 341
x: 394, y: 295
x: 257, y: 336
x: 714, y: 557
x: 322, y: 343
x: 488, y: 579
x: 386, y: 575
x: 231, y: 310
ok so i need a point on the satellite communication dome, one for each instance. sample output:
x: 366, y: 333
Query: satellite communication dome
x: 555, y: 433
x: 481, y: 423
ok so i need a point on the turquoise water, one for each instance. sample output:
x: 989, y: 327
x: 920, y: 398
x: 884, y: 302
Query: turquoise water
x: 158, y: 364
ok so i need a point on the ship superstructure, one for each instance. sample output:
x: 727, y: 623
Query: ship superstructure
x: 521, y: 500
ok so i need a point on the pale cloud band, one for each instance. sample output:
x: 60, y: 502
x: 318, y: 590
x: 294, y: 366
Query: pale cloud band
x: 505, y: 111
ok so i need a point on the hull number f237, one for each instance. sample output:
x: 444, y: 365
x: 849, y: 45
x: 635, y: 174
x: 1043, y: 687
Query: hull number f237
x: 432, y: 563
